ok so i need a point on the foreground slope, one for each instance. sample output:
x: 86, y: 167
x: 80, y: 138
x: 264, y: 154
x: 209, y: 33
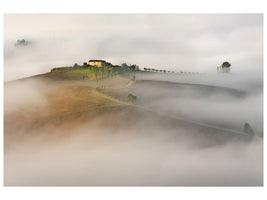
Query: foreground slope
x: 73, y: 133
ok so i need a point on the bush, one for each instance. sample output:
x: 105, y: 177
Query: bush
x: 226, y: 64
x: 248, y: 129
x: 131, y: 98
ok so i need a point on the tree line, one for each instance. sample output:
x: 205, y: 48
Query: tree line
x: 167, y: 71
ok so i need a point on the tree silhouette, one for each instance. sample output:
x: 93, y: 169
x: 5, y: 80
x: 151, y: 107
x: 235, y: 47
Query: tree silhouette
x: 226, y: 64
x: 225, y: 67
x: 248, y: 129
x: 102, y: 72
x: 96, y: 69
x: 131, y: 98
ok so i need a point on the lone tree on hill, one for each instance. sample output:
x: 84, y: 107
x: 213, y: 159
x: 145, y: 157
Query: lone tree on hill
x: 226, y: 64
x: 225, y: 67
x: 248, y: 129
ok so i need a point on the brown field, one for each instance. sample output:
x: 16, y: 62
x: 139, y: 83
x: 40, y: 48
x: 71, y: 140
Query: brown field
x: 49, y: 125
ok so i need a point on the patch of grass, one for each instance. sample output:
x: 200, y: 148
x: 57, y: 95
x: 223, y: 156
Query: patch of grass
x: 61, y: 76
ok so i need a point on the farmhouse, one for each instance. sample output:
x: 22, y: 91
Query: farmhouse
x: 98, y: 63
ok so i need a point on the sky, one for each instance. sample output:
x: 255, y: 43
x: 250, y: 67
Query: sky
x: 179, y: 42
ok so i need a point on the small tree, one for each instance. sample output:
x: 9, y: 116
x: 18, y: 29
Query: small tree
x: 248, y: 129
x: 102, y: 70
x: 108, y: 70
x: 96, y: 69
x: 113, y: 71
x: 131, y: 98
x: 226, y: 64
x: 225, y: 67
x: 124, y: 65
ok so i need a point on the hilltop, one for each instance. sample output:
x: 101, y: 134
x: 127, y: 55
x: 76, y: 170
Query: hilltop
x: 76, y: 122
x: 97, y: 70
x: 71, y: 103
x: 79, y: 94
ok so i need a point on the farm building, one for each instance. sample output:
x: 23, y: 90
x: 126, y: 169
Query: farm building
x: 98, y: 63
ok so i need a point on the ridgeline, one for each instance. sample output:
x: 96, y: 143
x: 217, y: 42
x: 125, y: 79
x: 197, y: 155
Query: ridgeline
x: 91, y: 72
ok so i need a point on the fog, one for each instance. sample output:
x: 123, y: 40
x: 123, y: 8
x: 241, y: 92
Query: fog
x: 135, y: 147
x: 234, y: 100
x: 178, y: 42
x: 134, y: 160
x: 183, y: 130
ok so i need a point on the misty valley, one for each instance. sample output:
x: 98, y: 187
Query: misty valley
x: 176, y: 132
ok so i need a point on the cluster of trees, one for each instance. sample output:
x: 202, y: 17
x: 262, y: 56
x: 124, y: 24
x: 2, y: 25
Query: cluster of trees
x: 99, y: 72
x: 125, y: 67
x: 224, y: 67
x: 22, y: 42
x: 157, y: 70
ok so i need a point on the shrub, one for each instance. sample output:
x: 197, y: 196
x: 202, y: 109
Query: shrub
x: 248, y: 129
x: 226, y: 64
x: 131, y: 98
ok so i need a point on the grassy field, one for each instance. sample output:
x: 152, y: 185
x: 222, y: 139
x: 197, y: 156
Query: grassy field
x: 76, y: 74
x: 67, y: 101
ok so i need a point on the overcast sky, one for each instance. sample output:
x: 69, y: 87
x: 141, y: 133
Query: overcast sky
x: 172, y: 41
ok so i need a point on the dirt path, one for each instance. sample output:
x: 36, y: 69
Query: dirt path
x: 100, y: 94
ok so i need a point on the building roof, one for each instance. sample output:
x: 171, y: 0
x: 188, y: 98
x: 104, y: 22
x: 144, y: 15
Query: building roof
x: 97, y: 61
